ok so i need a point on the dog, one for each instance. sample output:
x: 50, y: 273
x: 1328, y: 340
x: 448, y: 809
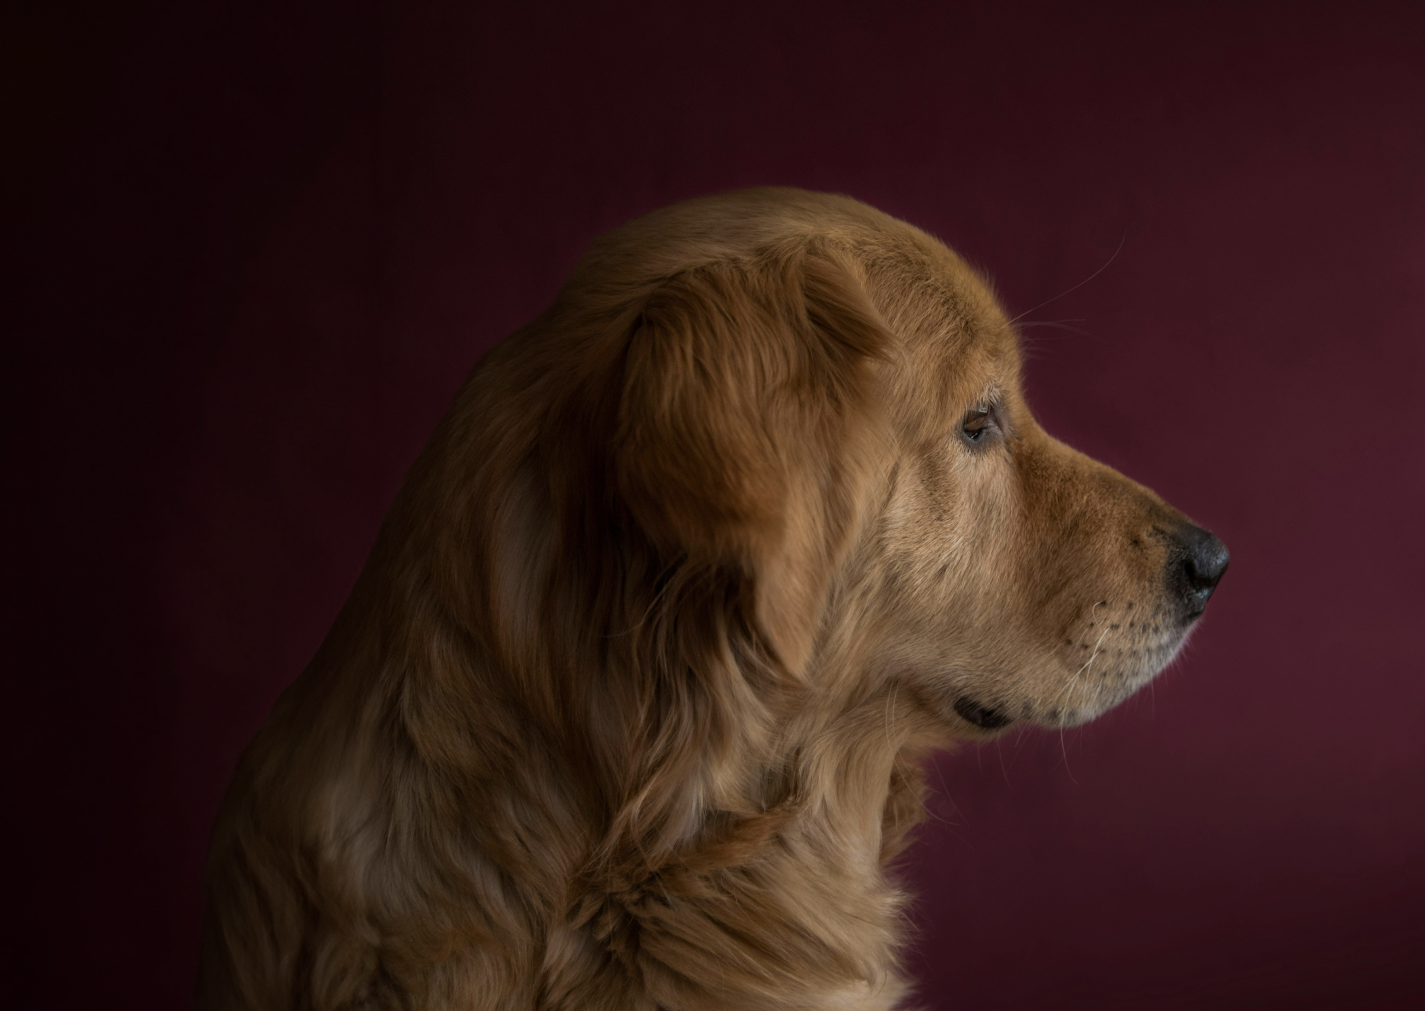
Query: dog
x: 629, y: 706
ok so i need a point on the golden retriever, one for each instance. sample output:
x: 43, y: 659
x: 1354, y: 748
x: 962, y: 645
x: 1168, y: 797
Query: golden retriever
x: 628, y: 708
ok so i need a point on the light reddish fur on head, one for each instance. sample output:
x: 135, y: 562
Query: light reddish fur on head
x: 627, y: 708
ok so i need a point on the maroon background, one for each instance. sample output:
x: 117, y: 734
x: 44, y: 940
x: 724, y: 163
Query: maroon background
x: 263, y: 243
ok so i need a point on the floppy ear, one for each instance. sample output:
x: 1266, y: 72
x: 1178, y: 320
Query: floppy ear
x: 744, y: 429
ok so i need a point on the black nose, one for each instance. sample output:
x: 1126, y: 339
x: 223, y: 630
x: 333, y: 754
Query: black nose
x: 1195, y: 567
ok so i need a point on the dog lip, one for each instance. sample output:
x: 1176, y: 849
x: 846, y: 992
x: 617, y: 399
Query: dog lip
x: 981, y: 716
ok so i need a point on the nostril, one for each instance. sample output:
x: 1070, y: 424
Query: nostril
x: 1202, y: 573
x: 1201, y: 560
x: 1208, y: 560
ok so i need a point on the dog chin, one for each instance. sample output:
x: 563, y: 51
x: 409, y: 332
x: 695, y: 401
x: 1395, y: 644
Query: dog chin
x: 1107, y: 693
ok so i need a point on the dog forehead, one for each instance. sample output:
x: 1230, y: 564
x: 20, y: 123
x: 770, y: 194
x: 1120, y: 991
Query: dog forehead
x: 955, y: 348
x: 952, y: 336
x: 957, y: 338
x: 951, y: 327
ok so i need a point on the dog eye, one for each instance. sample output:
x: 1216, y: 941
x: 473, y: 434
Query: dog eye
x: 979, y: 424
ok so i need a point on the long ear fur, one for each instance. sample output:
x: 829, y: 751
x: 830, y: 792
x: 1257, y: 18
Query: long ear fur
x: 706, y: 469
x: 743, y: 429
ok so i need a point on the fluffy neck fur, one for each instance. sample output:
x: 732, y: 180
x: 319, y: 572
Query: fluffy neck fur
x: 669, y: 817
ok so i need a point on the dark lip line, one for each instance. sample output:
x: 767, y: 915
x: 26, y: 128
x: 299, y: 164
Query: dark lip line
x: 981, y: 716
x: 1165, y: 646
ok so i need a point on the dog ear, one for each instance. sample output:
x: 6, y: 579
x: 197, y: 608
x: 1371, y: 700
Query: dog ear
x: 744, y: 429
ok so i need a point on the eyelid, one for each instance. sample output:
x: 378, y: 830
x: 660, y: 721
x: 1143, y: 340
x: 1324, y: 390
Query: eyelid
x: 984, y: 420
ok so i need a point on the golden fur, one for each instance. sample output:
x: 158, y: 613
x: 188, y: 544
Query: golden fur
x: 628, y: 707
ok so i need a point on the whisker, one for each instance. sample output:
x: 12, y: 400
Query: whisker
x: 1080, y: 284
x: 1058, y: 325
x: 946, y: 794
x: 1068, y: 691
x: 890, y: 713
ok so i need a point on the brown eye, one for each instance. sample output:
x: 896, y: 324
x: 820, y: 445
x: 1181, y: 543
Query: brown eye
x: 979, y: 424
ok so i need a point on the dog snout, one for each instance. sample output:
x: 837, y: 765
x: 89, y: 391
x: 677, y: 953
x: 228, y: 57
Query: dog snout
x: 1195, y: 567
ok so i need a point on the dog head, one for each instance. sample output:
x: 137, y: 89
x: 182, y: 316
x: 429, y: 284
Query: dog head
x: 1017, y: 578
x: 787, y: 435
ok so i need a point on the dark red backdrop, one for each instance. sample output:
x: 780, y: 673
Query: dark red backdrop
x: 264, y: 242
